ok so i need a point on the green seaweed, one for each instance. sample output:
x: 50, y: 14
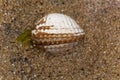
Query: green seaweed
x: 25, y: 38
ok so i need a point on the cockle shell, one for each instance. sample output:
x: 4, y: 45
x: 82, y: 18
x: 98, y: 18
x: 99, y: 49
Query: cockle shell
x: 57, y: 31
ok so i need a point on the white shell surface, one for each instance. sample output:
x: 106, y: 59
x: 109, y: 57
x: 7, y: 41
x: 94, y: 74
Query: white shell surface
x: 57, y: 32
x: 61, y: 24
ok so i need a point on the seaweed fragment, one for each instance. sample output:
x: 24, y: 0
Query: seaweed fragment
x: 25, y: 38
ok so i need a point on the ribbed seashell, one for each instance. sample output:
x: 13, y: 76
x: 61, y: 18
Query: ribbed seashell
x: 57, y: 31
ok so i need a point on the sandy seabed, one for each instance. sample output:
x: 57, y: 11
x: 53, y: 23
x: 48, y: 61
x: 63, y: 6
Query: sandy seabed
x: 98, y: 58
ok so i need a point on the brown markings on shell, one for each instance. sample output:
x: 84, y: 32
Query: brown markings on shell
x: 43, y: 38
x: 41, y: 21
x: 45, y: 27
x: 42, y: 35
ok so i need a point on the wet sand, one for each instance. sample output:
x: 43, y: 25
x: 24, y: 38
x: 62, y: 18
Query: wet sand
x: 98, y: 58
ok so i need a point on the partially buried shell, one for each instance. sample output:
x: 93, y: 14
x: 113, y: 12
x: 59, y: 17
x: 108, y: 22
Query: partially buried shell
x: 57, y: 31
